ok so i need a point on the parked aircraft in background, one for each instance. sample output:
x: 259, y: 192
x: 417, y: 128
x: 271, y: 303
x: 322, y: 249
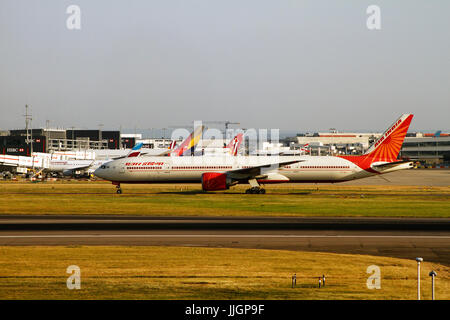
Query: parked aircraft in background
x: 77, y: 167
x: 220, y: 173
x: 87, y: 167
x: 74, y: 167
x: 305, y: 148
x: 231, y: 148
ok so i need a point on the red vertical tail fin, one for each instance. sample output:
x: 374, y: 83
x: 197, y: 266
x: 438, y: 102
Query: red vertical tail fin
x: 235, y: 143
x: 388, y: 146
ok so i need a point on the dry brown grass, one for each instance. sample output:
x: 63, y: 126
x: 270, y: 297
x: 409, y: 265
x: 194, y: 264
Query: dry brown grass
x: 206, y: 273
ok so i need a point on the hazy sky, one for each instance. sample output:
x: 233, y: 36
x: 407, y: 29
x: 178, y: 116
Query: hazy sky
x: 288, y: 64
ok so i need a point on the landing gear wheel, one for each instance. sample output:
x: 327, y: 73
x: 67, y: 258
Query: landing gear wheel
x: 255, y: 190
x: 119, y: 191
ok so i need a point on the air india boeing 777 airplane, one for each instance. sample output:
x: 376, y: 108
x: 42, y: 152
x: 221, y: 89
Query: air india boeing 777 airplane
x: 220, y: 173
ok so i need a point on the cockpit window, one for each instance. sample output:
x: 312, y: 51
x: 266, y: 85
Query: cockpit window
x: 103, y: 167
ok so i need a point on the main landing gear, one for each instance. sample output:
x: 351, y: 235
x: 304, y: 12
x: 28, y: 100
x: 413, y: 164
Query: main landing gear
x: 255, y: 188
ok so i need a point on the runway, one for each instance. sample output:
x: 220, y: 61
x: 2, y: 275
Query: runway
x: 402, y: 238
x: 125, y: 222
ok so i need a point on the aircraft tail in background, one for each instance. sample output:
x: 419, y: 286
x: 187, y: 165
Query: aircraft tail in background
x: 235, y: 143
x: 135, y: 151
x: 305, y: 148
x: 187, y: 147
x: 172, y: 145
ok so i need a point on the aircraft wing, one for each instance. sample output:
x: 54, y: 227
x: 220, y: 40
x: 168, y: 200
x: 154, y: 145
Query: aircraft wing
x: 255, y: 172
x: 163, y: 153
x: 82, y: 167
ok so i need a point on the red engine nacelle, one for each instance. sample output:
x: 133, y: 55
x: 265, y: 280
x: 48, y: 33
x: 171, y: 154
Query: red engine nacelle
x: 214, y: 181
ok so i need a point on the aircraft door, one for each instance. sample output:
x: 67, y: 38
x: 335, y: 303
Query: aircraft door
x: 166, y: 171
x: 166, y: 168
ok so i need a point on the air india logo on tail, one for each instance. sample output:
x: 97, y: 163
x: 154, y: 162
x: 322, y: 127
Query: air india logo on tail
x: 387, y: 147
x: 387, y: 133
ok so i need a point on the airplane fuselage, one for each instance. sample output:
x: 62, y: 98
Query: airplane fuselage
x: 190, y: 169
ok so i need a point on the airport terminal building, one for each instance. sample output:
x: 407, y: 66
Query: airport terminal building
x: 429, y: 150
x: 23, y: 142
x: 335, y: 143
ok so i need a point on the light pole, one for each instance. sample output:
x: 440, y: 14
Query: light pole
x: 419, y: 260
x: 432, y: 274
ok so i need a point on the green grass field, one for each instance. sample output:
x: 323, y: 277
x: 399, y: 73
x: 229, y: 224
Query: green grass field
x: 96, y: 197
x: 205, y: 273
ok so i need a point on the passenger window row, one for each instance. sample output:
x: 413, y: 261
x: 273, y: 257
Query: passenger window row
x: 201, y: 167
x: 324, y: 167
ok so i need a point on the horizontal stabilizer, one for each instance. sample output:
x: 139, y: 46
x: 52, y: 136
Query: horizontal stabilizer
x: 389, y: 164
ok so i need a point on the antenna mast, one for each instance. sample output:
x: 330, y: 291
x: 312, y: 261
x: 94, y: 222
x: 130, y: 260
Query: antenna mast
x: 29, y: 130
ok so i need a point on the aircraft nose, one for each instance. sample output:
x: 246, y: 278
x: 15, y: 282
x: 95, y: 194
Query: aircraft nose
x: 99, y: 172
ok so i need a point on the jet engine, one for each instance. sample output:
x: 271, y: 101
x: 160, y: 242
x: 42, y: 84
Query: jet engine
x: 68, y: 172
x: 214, y: 181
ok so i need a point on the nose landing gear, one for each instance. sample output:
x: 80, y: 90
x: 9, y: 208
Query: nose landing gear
x: 118, y: 189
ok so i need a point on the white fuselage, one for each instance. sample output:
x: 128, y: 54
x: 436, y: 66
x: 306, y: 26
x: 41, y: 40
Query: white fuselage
x: 190, y: 169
